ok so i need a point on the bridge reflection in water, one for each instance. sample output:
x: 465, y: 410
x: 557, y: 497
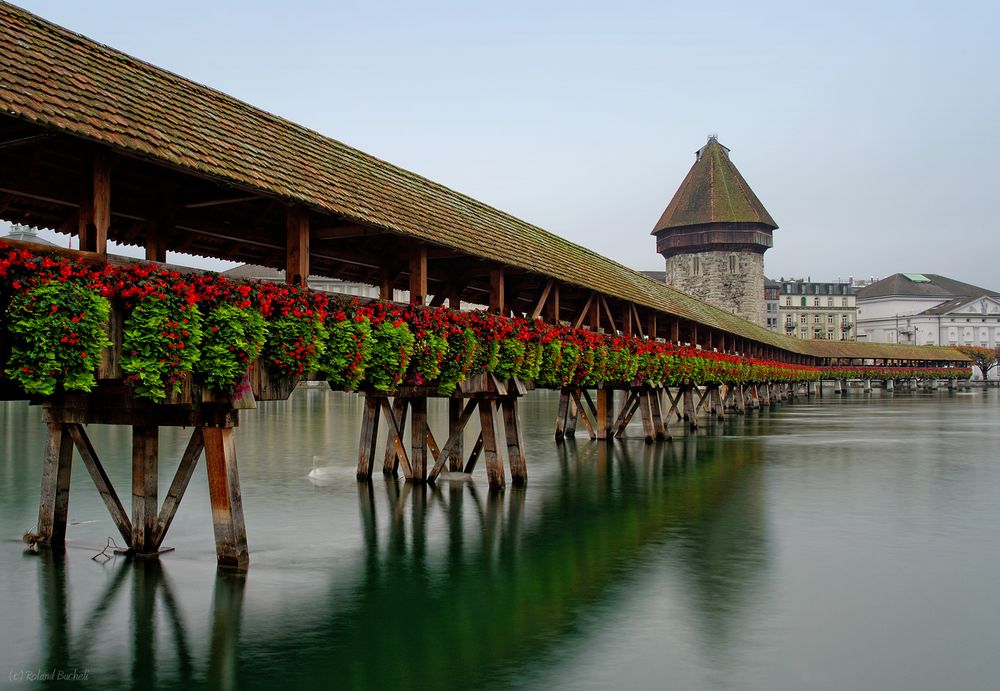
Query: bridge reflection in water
x: 456, y: 587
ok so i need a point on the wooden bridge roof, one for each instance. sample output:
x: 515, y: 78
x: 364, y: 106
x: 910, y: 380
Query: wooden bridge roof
x: 59, y: 82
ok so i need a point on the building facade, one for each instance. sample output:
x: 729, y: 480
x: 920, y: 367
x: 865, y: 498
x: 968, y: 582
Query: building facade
x: 820, y: 311
x: 772, y: 302
x: 713, y: 236
x: 929, y: 309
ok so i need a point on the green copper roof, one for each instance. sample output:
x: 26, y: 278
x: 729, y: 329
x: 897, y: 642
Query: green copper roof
x: 713, y: 192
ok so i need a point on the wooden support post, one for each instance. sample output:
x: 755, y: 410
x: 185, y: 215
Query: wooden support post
x: 571, y: 417
x: 651, y: 326
x: 675, y: 402
x: 297, y: 247
x: 53, y: 507
x: 717, y: 407
x: 497, y: 297
x: 457, y: 420
x: 369, y: 437
x: 515, y: 442
x: 182, y: 477
x: 494, y: 465
x: 690, y: 411
x: 584, y: 312
x: 452, y: 447
x: 227, y: 502
x: 675, y: 329
x: 741, y: 402
x: 605, y: 414
x: 396, y: 419
x: 477, y: 449
x: 584, y: 412
x: 418, y: 439
x: 552, y: 305
x: 629, y: 406
x: 101, y: 481
x: 395, y: 453
x: 659, y: 422
x: 385, y: 287
x: 95, y: 205
x: 145, y: 469
x: 646, y: 412
x: 594, y: 318
x: 418, y: 276
x: 562, y: 416
x: 156, y: 243
x: 540, y: 305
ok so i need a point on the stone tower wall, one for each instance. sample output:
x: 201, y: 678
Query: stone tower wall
x: 740, y: 292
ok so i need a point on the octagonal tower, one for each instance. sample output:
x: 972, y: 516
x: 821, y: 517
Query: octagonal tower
x: 713, y: 236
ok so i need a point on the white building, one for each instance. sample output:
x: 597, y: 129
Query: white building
x: 928, y: 309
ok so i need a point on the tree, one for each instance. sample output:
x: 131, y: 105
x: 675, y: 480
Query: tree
x: 983, y: 358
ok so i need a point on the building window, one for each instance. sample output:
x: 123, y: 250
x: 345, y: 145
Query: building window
x: 732, y: 263
x: 829, y: 319
x: 803, y: 302
x: 804, y: 319
x: 696, y: 266
x: 815, y: 302
x: 843, y: 302
x: 816, y: 319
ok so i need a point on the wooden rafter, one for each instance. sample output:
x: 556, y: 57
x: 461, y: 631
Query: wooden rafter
x: 540, y: 305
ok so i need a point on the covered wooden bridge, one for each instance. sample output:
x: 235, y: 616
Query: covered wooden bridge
x: 103, y: 146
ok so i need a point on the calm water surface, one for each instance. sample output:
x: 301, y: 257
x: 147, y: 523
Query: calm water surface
x: 848, y: 544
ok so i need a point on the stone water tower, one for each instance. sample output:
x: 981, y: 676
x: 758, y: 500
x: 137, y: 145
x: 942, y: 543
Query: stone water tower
x: 713, y: 235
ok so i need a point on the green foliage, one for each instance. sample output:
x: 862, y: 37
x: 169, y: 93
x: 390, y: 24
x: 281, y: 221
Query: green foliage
x: 532, y: 363
x: 428, y: 354
x: 348, y: 352
x: 233, y: 338
x: 59, y: 330
x: 567, y: 367
x: 392, y: 348
x: 160, y: 345
x: 462, y: 348
x: 295, y: 345
x: 551, y: 370
x: 510, y: 355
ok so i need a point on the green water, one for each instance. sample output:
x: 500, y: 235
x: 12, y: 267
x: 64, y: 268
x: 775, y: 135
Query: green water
x: 847, y: 544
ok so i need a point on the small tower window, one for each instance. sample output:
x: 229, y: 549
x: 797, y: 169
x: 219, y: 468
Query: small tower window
x: 733, y: 264
x: 696, y: 266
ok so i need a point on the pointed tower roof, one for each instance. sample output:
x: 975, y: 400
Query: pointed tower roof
x: 713, y: 192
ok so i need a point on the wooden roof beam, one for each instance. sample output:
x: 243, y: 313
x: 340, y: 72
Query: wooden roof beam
x: 345, y: 231
x: 225, y: 201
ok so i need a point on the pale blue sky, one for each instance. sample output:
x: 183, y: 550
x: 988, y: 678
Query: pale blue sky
x: 868, y: 130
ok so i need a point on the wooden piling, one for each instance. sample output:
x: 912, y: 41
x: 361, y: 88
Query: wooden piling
x: 515, y: 442
x: 456, y: 427
x: 418, y: 439
x: 369, y: 437
x: 494, y: 465
x: 53, y: 508
x: 145, y: 469
x: 227, y: 502
x: 605, y: 414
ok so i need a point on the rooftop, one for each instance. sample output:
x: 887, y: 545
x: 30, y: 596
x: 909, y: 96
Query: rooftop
x: 713, y: 192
